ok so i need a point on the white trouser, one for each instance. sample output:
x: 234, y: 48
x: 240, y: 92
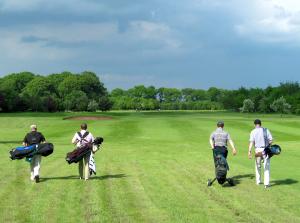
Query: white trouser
x: 35, y: 165
x: 258, y: 168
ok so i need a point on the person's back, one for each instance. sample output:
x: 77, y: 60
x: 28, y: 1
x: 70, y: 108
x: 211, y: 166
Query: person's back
x: 83, y: 138
x: 219, y: 139
x: 257, y: 136
x: 34, y: 137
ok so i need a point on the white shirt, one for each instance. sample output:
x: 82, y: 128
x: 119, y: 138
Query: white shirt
x: 257, y: 137
x: 88, y: 139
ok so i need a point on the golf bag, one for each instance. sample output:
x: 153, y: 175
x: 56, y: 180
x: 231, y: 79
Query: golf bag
x: 272, y: 150
x: 77, y: 154
x: 221, y: 166
x: 44, y: 149
x: 22, y: 152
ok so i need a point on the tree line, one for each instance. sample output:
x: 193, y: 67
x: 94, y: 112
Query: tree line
x: 284, y: 98
x: 67, y: 91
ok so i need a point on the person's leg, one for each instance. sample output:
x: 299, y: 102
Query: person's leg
x: 267, y: 172
x: 80, y: 168
x: 258, y: 169
x: 37, y: 165
x: 31, y: 169
x: 86, y: 166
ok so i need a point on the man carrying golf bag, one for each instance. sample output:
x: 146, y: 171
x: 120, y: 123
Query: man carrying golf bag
x: 31, y: 138
x: 81, y: 139
x: 218, y: 142
x: 260, y: 138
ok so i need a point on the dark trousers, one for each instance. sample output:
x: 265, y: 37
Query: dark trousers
x: 220, y: 150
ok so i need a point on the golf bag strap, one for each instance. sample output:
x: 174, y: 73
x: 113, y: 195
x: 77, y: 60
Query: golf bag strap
x: 266, y: 137
x: 82, y: 137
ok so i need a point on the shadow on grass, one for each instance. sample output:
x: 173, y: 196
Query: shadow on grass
x: 12, y: 142
x: 42, y: 179
x: 75, y: 177
x: 238, y: 178
x: 110, y: 176
x: 283, y: 182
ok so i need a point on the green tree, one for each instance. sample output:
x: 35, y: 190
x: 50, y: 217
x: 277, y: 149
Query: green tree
x: 76, y: 101
x: 248, y: 106
x: 38, y: 94
x: 281, y: 106
x: 105, y: 103
x: 92, y: 106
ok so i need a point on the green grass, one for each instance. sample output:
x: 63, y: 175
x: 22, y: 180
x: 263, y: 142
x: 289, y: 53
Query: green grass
x: 153, y: 167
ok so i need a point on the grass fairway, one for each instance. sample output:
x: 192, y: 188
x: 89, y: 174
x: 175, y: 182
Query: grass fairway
x: 153, y: 167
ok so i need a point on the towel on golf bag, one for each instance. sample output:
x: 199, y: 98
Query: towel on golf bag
x: 77, y: 154
x: 21, y: 152
x: 92, y: 165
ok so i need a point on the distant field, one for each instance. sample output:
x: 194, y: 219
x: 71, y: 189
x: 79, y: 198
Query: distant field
x: 153, y: 168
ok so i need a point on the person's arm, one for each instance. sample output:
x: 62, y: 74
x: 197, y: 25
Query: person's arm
x: 211, y: 141
x: 92, y: 137
x: 251, y: 143
x: 43, y: 140
x: 25, y: 142
x: 269, y: 136
x: 231, y: 144
x: 233, y: 147
x: 250, y: 150
x: 74, y: 140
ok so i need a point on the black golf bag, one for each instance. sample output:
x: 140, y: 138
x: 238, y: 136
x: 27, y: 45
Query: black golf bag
x: 221, y: 166
x: 44, y: 149
x: 77, y: 154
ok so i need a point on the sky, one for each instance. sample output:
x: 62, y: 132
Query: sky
x: 164, y: 43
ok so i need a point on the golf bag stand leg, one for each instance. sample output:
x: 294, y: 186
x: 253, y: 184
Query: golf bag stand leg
x: 210, y: 182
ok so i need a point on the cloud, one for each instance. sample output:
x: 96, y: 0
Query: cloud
x: 274, y: 21
x: 76, y: 6
x: 154, y: 32
x: 19, y: 5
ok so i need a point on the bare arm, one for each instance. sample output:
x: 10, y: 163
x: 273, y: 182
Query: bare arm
x: 249, y: 150
x: 211, y: 142
x: 233, y: 147
x: 74, y: 140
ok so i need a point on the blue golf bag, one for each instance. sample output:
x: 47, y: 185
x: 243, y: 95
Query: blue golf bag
x: 20, y: 152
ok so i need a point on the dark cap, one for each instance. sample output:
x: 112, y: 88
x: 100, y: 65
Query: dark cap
x: 257, y: 122
x: 220, y: 124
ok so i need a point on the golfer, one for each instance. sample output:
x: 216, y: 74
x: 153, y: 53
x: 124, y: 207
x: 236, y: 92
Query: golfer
x: 34, y: 137
x: 260, y: 138
x: 219, y: 139
x: 83, y: 138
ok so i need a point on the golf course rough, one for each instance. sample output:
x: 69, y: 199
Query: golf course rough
x: 153, y: 167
